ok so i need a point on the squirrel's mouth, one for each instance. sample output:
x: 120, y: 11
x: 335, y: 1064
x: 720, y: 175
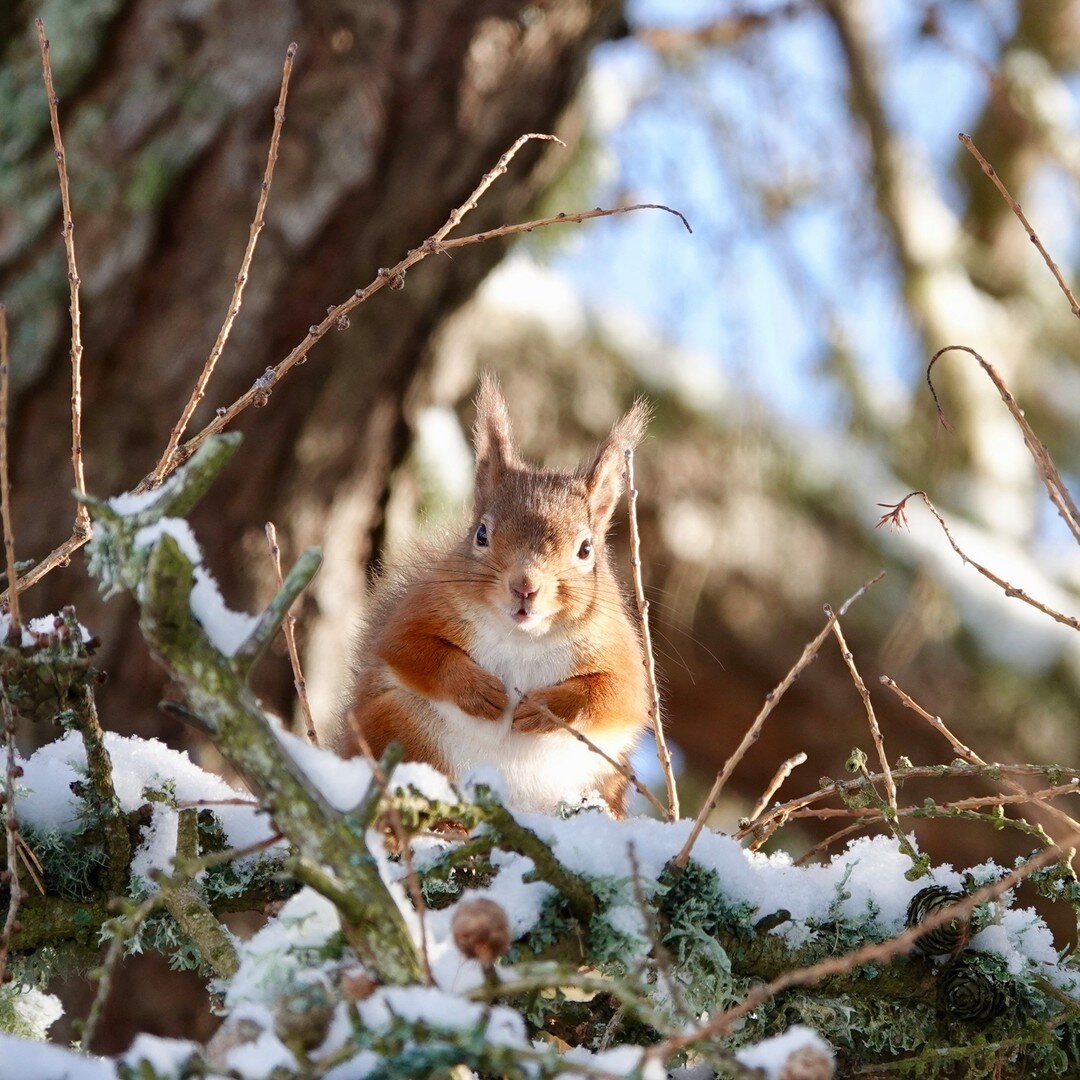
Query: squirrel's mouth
x: 528, y: 618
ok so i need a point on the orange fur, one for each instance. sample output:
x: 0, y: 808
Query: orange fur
x: 527, y: 590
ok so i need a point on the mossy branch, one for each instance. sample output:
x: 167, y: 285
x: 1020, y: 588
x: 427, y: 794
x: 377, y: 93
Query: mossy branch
x: 189, y: 909
x: 270, y: 621
x: 217, y: 690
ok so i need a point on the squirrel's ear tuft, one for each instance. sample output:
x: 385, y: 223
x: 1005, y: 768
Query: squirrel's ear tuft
x: 604, y: 478
x: 492, y: 435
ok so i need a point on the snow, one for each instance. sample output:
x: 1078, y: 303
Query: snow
x: 178, y: 529
x: 1021, y: 938
x: 257, y: 1059
x: 226, y: 629
x: 23, y: 1059
x: 865, y: 879
x: 438, y: 1009
x: 35, y: 1010
x: 34, y: 628
x: 164, y: 1056
x: 134, y: 502
x: 771, y: 1055
x: 521, y: 900
x: 48, y: 803
x: 274, y: 958
x: 618, y: 1061
x: 344, y: 781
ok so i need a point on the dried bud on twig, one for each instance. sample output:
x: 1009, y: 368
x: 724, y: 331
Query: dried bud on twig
x: 481, y: 930
x: 808, y: 1063
x: 356, y: 986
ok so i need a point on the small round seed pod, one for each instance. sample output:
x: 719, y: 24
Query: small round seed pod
x: 481, y: 930
x: 302, y: 1018
x: 808, y: 1063
x: 967, y: 992
x: 946, y: 938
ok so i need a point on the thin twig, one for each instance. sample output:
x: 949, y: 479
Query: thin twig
x: 337, y: 316
x: 897, y: 517
x: 394, y: 277
x: 32, y: 863
x: 199, y: 391
x: 646, y: 636
x: 973, y: 802
x: 871, y: 717
x: 489, y: 178
x: 821, y: 848
x: 82, y: 513
x: 1015, y: 207
x: 623, y: 770
x: 772, y: 699
x: 11, y: 825
x: 775, y: 784
x: 559, y: 219
x: 1044, y: 463
x: 780, y: 815
x: 288, y: 624
x: 874, y: 953
x: 59, y: 556
x: 965, y: 752
x: 5, y: 474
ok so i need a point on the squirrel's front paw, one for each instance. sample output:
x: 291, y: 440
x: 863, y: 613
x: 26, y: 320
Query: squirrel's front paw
x: 533, y: 715
x: 483, y: 696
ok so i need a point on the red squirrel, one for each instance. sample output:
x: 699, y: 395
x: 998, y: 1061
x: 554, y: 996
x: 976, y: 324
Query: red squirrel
x: 467, y: 648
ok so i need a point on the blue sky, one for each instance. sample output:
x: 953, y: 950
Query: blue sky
x: 752, y: 289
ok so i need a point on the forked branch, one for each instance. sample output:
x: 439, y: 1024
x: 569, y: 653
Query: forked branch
x: 1044, y: 463
x: 896, y: 516
x: 754, y: 731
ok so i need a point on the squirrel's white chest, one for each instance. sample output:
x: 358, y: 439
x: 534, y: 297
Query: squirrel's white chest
x: 539, y: 770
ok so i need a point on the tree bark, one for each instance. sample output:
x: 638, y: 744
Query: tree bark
x: 395, y: 111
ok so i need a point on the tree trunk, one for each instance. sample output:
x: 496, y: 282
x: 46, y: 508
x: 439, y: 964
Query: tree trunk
x: 395, y: 111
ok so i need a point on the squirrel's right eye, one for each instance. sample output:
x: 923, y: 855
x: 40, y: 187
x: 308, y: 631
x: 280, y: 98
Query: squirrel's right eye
x: 482, y: 536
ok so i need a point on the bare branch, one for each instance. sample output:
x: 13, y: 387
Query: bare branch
x: 1044, y: 464
x: 82, y: 514
x: 394, y: 277
x: 1015, y: 207
x: 11, y: 826
x: 289, y: 626
x: 646, y: 636
x: 871, y: 717
x: 897, y: 517
x: 199, y: 391
x: 778, y: 816
x: 5, y: 475
x: 775, y: 784
x: 771, y: 701
x: 623, y: 770
x: 965, y: 752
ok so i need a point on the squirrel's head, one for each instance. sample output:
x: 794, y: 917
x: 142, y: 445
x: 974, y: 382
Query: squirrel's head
x: 537, y: 544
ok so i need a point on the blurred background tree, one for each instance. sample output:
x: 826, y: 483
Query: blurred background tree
x: 842, y: 235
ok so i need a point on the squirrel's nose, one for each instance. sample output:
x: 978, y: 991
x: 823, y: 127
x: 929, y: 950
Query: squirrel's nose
x: 524, y: 589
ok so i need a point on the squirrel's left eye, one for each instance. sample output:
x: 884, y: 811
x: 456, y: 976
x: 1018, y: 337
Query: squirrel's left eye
x: 585, y: 550
x: 482, y: 536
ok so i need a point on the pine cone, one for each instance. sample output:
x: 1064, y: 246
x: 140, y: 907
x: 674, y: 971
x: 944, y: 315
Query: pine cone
x: 946, y: 938
x: 967, y: 992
